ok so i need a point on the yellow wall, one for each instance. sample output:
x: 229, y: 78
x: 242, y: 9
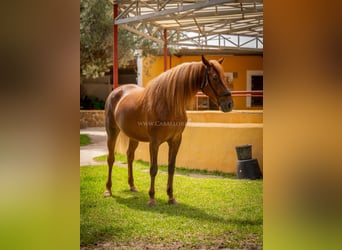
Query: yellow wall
x: 154, y: 65
x: 209, y: 145
x: 235, y: 116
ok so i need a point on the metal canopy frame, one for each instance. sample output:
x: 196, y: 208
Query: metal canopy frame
x: 215, y: 25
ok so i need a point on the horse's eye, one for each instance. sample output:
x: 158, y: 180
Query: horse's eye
x: 215, y: 77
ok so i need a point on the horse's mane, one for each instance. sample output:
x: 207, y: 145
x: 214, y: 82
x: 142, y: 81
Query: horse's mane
x: 174, y: 87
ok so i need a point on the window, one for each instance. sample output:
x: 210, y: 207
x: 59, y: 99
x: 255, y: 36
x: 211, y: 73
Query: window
x: 254, y: 82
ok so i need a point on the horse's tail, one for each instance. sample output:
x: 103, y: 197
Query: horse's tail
x: 111, y: 102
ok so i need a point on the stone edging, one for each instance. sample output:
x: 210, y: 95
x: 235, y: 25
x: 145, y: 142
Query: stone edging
x: 92, y: 118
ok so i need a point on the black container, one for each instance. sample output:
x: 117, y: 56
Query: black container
x: 244, y: 152
x: 248, y: 169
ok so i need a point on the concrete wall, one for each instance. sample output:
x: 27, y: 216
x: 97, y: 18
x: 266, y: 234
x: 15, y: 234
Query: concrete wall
x: 209, y: 139
x: 209, y: 146
x: 99, y: 87
x: 235, y: 116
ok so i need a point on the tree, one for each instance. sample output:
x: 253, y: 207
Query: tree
x: 96, y: 37
x: 96, y: 40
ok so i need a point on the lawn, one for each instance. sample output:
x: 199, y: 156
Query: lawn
x: 84, y: 139
x: 212, y: 213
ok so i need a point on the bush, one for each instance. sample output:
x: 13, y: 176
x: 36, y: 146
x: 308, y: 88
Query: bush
x: 91, y: 102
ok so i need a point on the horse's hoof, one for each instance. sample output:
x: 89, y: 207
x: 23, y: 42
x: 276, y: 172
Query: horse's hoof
x: 152, y: 203
x: 133, y: 189
x: 172, y: 202
x: 107, y: 193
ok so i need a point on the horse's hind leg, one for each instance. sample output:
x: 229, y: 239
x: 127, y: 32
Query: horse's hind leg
x: 112, y: 134
x: 133, y: 144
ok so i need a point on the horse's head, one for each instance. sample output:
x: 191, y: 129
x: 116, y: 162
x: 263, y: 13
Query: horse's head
x: 214, y: 84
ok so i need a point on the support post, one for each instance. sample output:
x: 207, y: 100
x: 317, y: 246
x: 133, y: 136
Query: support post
x: 165, y: 49
x: 115, y: 50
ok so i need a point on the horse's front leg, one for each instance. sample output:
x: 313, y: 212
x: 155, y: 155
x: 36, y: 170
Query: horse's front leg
x: 173, y: 150
x: 154, y: 147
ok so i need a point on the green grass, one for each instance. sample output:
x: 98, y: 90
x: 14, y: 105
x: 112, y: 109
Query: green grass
x: 219, y: 213
x: 84, y: 139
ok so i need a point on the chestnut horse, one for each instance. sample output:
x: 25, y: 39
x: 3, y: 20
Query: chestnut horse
x: 156, y: 114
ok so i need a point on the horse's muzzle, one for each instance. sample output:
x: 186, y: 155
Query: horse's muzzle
x: 227, y: 106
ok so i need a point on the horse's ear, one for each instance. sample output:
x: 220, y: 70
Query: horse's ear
x: 205, y: 61
x: 220, y: 60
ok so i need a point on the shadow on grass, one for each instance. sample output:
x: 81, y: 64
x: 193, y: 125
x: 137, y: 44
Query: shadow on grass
x: 139, y: 202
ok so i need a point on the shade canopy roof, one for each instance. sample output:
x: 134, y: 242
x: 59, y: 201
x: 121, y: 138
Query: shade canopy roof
x: 225, y: 26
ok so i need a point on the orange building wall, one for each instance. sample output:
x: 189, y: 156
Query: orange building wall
x: 154, y: 65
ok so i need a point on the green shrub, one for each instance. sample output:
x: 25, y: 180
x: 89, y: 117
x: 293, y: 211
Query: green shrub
x: 91, y: 102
